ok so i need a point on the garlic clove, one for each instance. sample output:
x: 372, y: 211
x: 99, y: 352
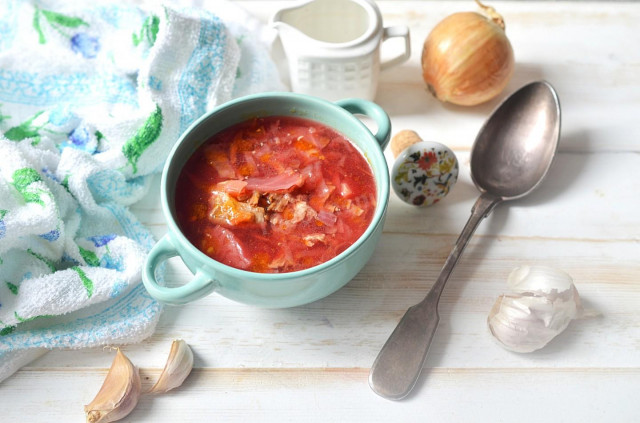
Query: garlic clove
x: 119, y: 393
x: 542, y: 280
x: 177, y: 368
x: 526, y: 324
x: 544, y: 303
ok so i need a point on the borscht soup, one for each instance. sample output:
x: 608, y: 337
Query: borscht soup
x: 275, y: 194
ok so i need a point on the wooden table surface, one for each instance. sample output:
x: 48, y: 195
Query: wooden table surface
x: 311, y: 363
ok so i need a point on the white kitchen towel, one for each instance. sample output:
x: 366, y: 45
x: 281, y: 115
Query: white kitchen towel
x: 92, y: 98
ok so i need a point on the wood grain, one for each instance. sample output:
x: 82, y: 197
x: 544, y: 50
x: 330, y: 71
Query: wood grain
x: 317, y: 395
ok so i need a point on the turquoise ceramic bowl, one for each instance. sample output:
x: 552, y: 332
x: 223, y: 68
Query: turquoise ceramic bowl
x: 267, y: 289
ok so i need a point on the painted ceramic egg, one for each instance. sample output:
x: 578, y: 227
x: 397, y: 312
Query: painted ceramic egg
x: 424, y: 173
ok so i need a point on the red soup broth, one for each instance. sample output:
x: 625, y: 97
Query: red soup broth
x: 275, y: 194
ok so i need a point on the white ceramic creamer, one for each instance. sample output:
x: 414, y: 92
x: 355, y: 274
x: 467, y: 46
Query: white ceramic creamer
x: 333, y: 47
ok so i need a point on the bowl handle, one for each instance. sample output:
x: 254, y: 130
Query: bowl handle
x: 198, y: 287
x: 375, y: 112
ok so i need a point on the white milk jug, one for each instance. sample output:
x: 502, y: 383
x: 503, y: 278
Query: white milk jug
x: 333, y: 47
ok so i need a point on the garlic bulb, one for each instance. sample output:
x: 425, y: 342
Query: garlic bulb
x: 467, y: 58
x: 545, y: 301
x: 119, y: 393
x: 177, y: 368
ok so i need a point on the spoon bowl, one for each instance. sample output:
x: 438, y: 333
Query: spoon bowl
x: 515, y: 147
x: 509, y: 158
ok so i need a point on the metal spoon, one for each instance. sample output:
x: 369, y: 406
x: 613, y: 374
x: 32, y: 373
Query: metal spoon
x: 510, y: 156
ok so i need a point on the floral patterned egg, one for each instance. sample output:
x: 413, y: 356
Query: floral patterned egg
x: 424, y: 173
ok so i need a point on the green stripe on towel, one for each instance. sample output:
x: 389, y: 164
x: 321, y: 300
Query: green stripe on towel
x: 88, y: 283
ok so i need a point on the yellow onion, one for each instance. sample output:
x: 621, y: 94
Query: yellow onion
x: 467, y: 58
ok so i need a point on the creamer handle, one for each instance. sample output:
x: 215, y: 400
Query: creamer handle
x: 392, y: 32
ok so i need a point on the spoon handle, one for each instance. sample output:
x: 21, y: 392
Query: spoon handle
x: 399, y: 363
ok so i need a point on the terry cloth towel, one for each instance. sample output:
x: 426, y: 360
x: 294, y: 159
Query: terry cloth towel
x: 92, y: 98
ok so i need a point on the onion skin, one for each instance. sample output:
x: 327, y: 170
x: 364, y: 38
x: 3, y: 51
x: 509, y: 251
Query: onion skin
x: 467, y: 59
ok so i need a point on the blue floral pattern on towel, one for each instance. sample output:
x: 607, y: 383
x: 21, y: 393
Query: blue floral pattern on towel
x: 85, y: 44
x: 66, y: 25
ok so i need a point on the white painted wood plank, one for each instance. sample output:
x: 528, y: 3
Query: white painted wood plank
x: 582, y: 50
x: 264, y: 395
x: 348, y: 328
x: 584, y: 197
